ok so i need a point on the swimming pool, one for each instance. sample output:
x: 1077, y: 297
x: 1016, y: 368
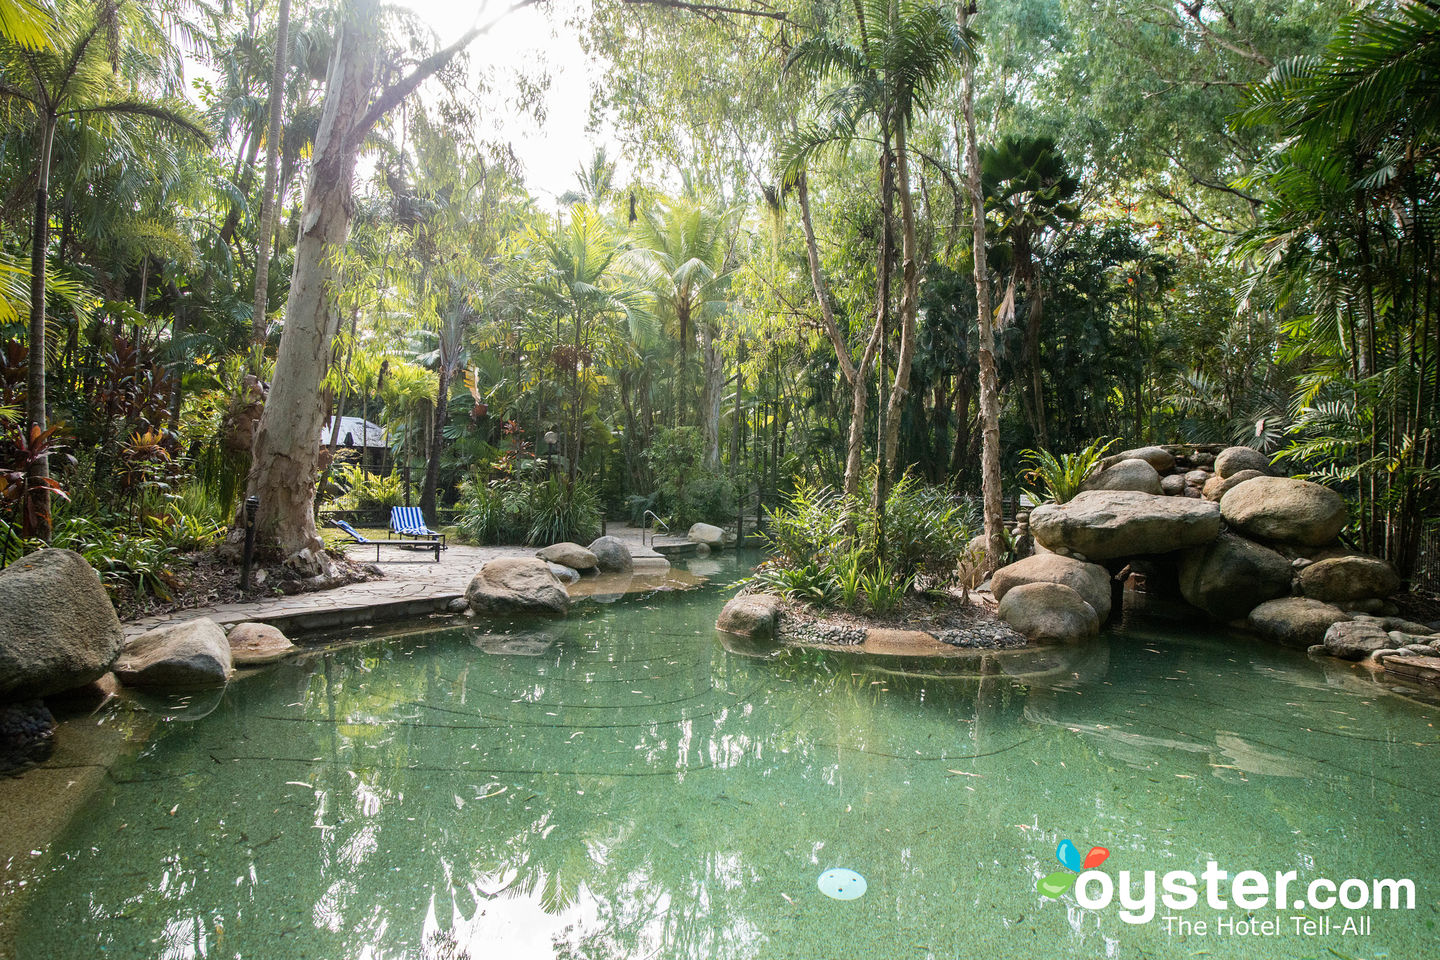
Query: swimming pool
x: 620, y: 784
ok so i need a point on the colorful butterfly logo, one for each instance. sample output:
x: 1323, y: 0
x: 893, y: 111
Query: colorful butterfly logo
x: 1069, y: 857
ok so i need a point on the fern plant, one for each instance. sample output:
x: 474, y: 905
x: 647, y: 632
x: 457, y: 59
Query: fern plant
x: 1062, y: 476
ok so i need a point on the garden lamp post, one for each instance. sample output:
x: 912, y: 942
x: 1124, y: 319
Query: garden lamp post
x: 252, y: 507
x: 551, y: 440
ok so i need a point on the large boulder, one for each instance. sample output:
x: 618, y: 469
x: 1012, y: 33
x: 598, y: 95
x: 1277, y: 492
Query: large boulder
x: 753, y: 615
x: 1158, y: 457
x: 1049, y: 611
x: 517, y: 585
x: 708, y: 534
x: 195, y: 653
x: 612, y: 555
x: 1104, y: 524
x: 1232, y: 460
x: 1090, y: 580
x: 1134, y: 474
x: 570, y: 555
x: 1295, y: 621
x: 1345, y: 579
x: 1285, y: 509
x: 1230, y: 576
x: 58, y: 629
x: 1217, y: 486
x: 1356, y: 639
x: 253, y: 644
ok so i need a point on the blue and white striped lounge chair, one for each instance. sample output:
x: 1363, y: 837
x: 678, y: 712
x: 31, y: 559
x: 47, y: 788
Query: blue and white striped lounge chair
x: 357, y: 537
x: 408, y: 522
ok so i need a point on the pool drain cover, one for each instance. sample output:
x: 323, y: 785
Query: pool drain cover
x: 838, y: 883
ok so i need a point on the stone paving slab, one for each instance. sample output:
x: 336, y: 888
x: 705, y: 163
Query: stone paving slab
x: 412, y: 586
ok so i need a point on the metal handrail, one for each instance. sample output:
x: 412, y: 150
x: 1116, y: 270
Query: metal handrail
x: 645, y: 526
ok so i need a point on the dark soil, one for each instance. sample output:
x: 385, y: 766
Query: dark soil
x: 203, y: 579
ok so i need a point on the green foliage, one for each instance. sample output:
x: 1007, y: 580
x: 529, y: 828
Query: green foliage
x: 525, y: 511
x: 808, y: 526
x: 926, y: 535
x: 688, y: 493
x: 885, y: 587
x: 369, y: 491
x: 848, y: 571
x: 126, y: 560
x: 926, y: 531
x: 1062, y: 476
x: 810, y: 583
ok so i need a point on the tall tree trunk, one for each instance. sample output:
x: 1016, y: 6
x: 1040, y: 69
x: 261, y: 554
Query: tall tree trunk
x: 268, y: 200
x: 856, y: 376
x: 431, y: 483
x: 287, y: 441
x: 909, y: 297
x: 993, y: 507
x: 714, y: 386
x: 39, y: 470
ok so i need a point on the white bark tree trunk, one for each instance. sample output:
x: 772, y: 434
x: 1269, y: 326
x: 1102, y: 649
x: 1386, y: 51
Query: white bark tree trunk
x: 286, y: 454
x: 287, y: 443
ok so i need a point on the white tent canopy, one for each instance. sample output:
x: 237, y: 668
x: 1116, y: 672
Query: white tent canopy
x: 355, y: 432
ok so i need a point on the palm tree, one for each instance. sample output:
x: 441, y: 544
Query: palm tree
x: 683, y: 259
x: 1027, y: 188
x: 579, y: 282
x: 888, y: 70
x: 76, y: 83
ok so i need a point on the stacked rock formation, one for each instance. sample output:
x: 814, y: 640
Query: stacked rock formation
x: 1243, y: 545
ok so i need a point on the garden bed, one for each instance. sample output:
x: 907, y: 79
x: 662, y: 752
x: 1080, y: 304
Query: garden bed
x: 202, y: 579
x: 915, y: 627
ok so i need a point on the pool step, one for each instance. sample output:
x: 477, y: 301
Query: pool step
x: 673, y: 546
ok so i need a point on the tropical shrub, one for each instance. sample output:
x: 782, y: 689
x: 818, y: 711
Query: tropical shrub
x: 1062, y: 476
x: 685, y: 490
x: 527, y: 511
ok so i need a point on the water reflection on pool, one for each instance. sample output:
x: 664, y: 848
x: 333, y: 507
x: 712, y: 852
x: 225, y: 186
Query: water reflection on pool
x: 622, y: 784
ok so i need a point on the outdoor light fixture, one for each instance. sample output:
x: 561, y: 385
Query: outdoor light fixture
x: 252, y: 507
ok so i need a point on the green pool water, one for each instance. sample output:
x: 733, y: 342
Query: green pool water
x: 622, y: 785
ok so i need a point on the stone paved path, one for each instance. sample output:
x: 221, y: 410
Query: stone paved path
x: 419, y: 580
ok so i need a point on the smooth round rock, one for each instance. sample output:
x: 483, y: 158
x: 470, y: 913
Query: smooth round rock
x: 1105, y: 524
x: 612, y: 555
x: 181, y: 656
x: 1132, y: 474
x: 1231, y: 576
x: 1090, y: 580
x: 568, y: 554
x: 1049, y: 611
x: 517, y: 585
x: 58, y: 629
x: 1217, y: 486
x: 1232, y: 460
x: 706, y: 533
x: 753, y: 615
x: 566, y: 575
x: 838, y: 883
x: 1285, y: 509
x: 1158, y: 457
x: 1347, y: 579
x: 252, y: 644
x: 1295, y: 621
x: 1173, y: 484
